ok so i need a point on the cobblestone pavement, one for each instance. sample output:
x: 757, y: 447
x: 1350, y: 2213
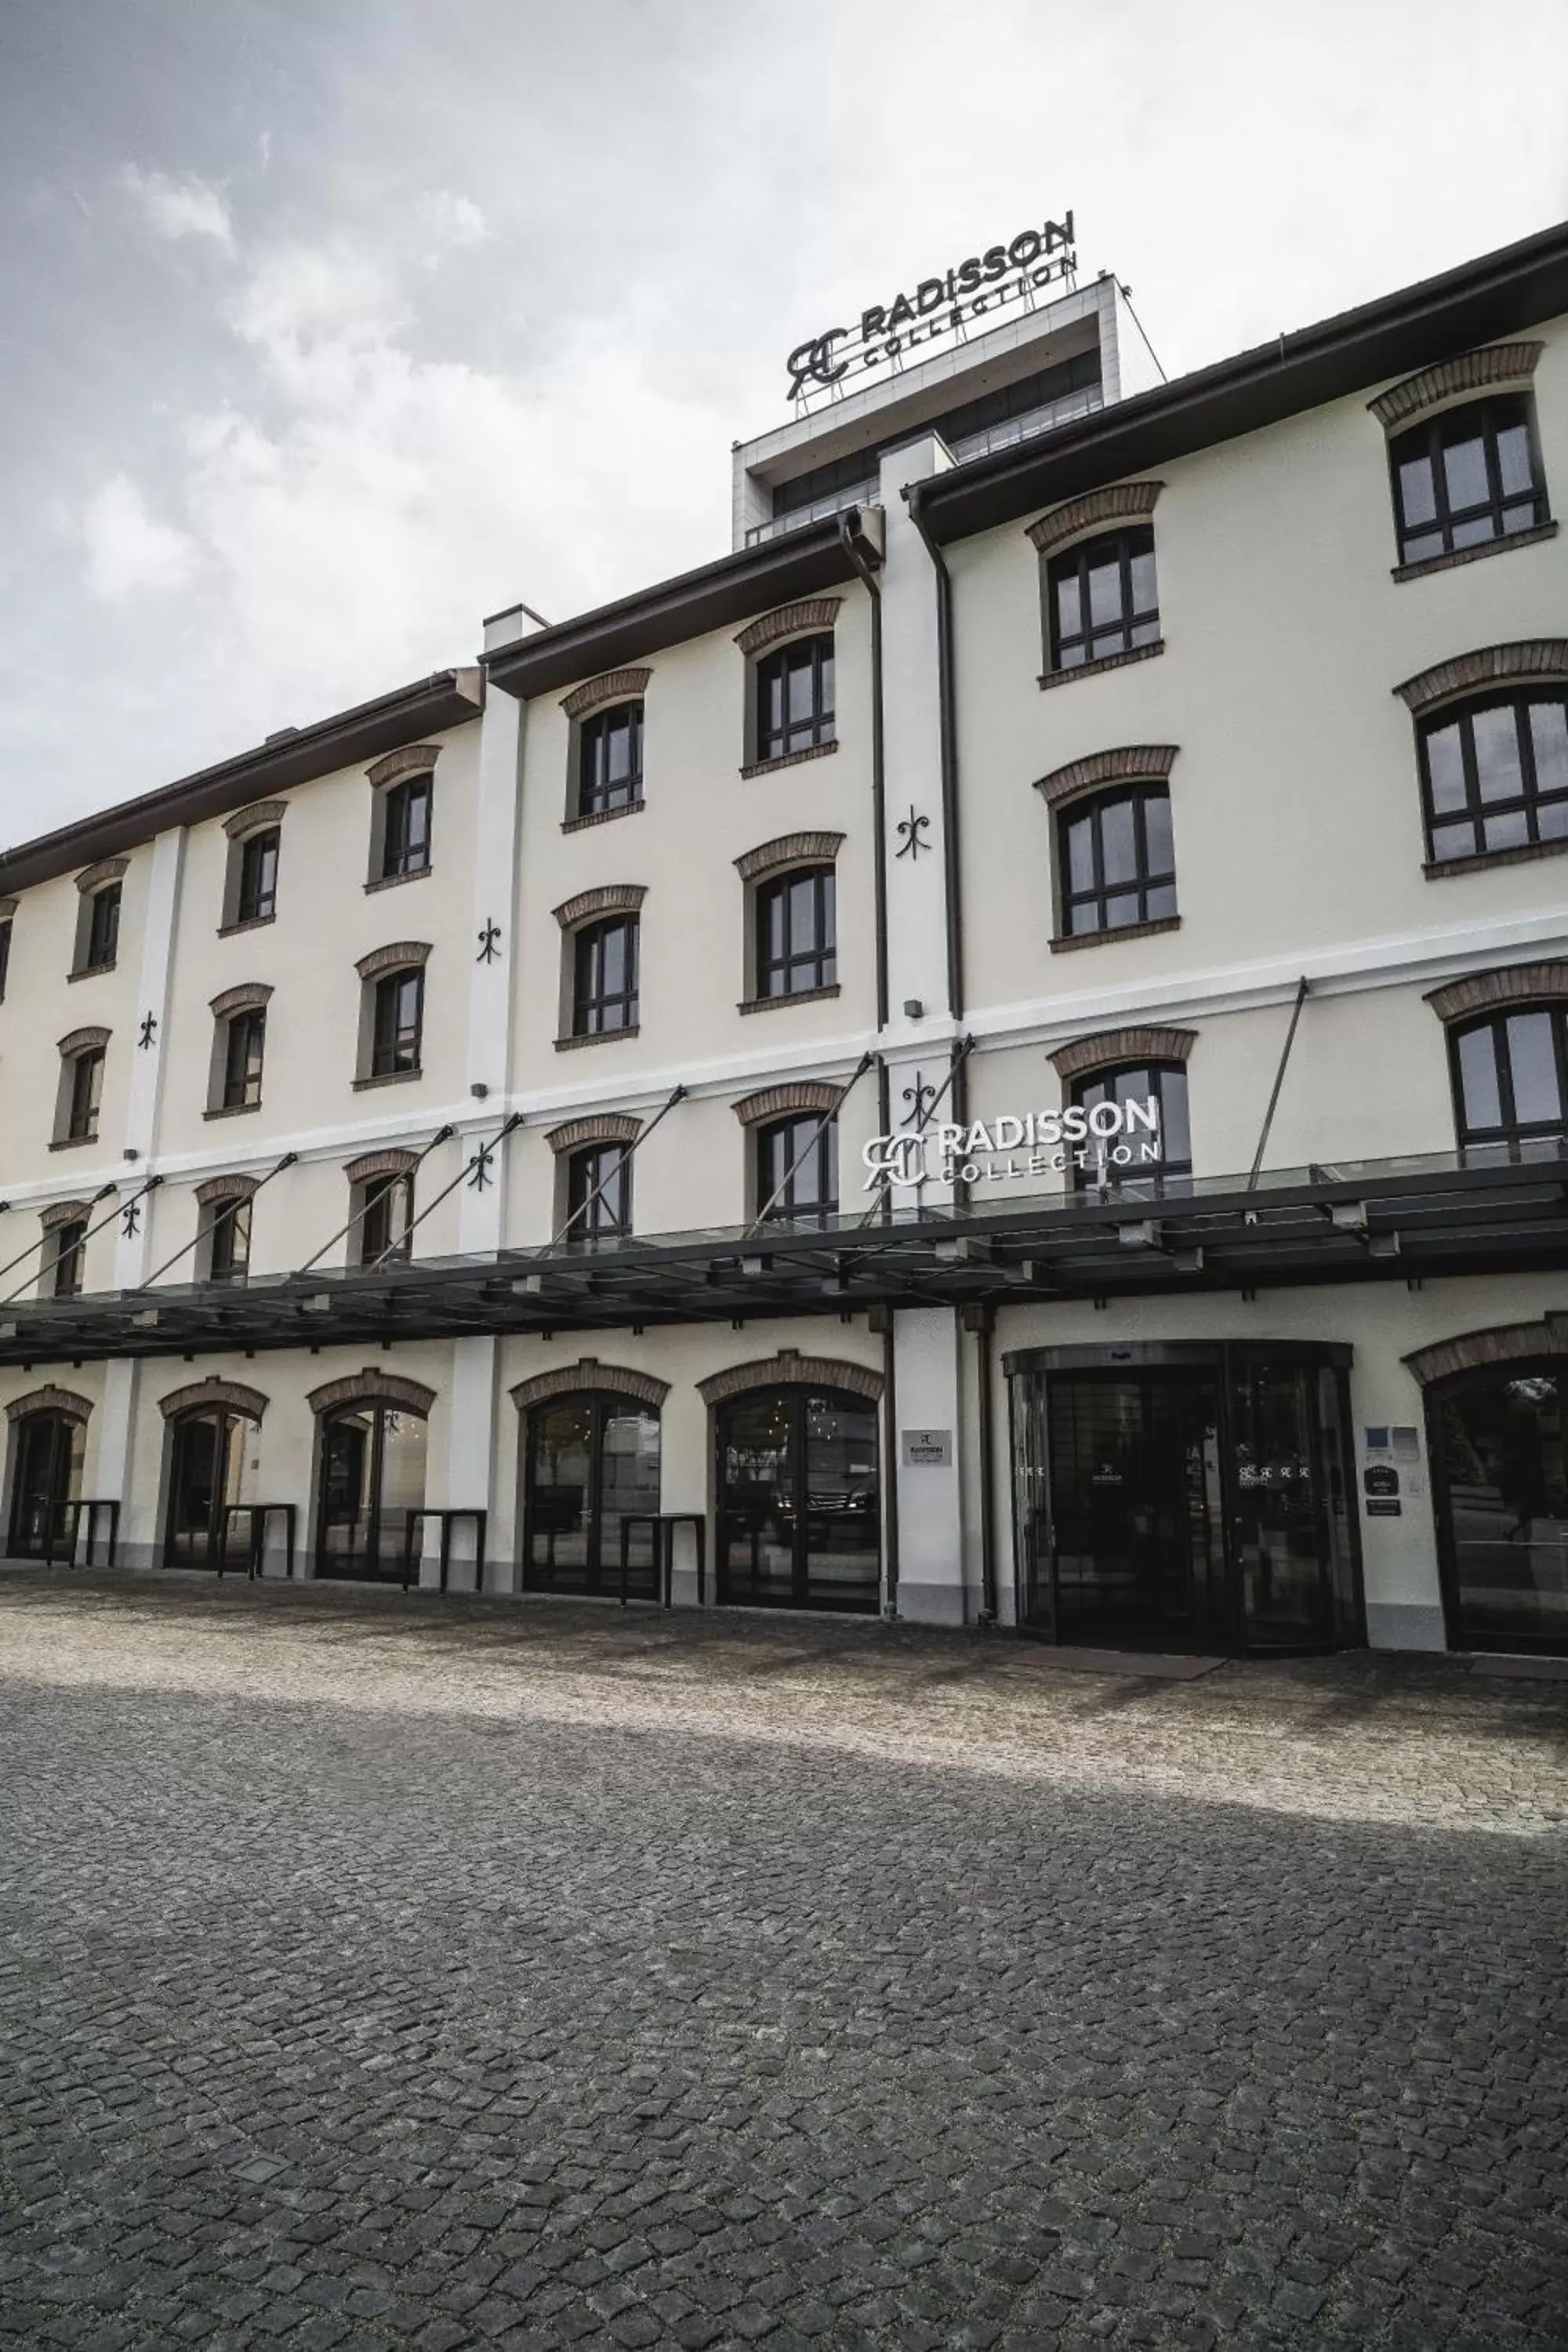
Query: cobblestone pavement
x: 390, y: 1972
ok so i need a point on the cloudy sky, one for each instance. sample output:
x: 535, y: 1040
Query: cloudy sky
x: 329, y: 326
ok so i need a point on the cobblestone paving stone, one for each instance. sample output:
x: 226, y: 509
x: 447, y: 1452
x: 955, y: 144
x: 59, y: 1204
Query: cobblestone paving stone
x: 390, y: 1972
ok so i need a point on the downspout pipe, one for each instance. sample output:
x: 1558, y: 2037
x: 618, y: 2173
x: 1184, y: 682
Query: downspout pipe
x: 985, y: 1325
x: 947, y: 743
x: 854, y: 549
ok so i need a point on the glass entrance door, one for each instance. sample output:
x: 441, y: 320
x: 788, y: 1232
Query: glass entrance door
x: 799, y: 1500
x: 1498, y: 1449
x: 373, y: 1478
x: 49, y: 1450
x: 207, y: 1472
x: 591, y: 1460
x: 1135, y: 1509
x: 1197, y: 1498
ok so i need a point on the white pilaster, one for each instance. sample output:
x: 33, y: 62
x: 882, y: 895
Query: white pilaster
x: 931, y: 1518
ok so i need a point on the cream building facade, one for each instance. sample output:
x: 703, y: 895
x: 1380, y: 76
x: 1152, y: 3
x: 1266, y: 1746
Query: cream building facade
x: 452, y: 1140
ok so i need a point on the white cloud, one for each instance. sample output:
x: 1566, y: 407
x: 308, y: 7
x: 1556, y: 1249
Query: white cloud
x: 128, y: 549
x: 452, y: 220
x: 178, y: 208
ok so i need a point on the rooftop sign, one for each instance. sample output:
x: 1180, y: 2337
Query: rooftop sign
x: 999, y: 279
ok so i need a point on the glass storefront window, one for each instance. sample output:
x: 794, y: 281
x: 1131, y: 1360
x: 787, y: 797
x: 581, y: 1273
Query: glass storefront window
x: 1498, y: 1449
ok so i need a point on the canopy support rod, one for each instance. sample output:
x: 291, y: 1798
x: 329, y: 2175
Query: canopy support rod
x: 627, y: 1151
x: 781, y: 1187
x: 395, y: 1249
x: 442, y: 1135
x: 964, y: 1048
x: 1278, y: 1082
x: 226, y: 1214
x: 101, y: 1194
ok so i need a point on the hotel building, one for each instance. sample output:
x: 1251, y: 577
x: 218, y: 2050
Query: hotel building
x: 997, y: 1053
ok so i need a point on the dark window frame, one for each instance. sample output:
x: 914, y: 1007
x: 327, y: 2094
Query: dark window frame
x: 408, y: 809
x: 1148, y: 1181
x: 1512, y: 1137
x: 84, y: 1094
x: 1091, y: 809
x: 609, y: 1218
x: 67, y: 1264
x: 776, y: 1145
x: 592, y: 1002
x: 244, y: 1057
x: 228, y: 1241
x: 100, y: 942
x: 255, y: 898
x: 785, y: 737
x: 384, y: 1200
x: 396, y: 1041
x: 1135, y: 627
x: 1427, y: 439
x: 792, y: 968
x: 598, y: 792
x: 1478, y: 810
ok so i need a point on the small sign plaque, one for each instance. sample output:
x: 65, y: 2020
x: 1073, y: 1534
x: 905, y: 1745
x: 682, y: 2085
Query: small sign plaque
x: 1381, y: 1478
x: 1380, y: 1507
x: 928, y: 1449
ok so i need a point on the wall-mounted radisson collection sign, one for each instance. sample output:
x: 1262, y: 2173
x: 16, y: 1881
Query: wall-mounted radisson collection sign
x: 1101, y: 1137
x: 976, y: 289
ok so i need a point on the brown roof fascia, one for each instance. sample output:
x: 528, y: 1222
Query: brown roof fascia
x: 1517, y: 287
x: 735, y: 588
x: 426, y: 707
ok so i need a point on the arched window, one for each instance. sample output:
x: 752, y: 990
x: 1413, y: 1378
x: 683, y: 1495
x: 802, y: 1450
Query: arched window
x: 589, y: 1459
x: 609, y: 761
x: 1137, y: 1174
x: 797, y: 932
x: 398, y: 1024
x: 1510, y: 1083
x: 599, y: 1194
x: 47, y: 1450
x: 798, y: 1167
x: 795, y: 697
x: 798, y: 1498
x: 1494, y: 774
x: 405, y: 835
x: 210, y: 1481
x: 372, y: 1481
x: 67, y: 1258
x: 1466, y: 476
x: 81, y: 1097
x: 1116, y: 861
x: 604, y: 976
x: 1101, y: 597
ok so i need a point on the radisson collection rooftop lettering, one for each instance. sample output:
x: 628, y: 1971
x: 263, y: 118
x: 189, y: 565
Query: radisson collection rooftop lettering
x: 977, y: 288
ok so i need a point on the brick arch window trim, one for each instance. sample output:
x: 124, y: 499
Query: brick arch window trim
x: 402, y: 955
x: 64, y: 1212
x: 598, y: 1127
x: 373, y: 1386
x: 83, y: 1041
x: 1483, y: 992
x: 49, y: 1399
x: 589, y: 1375
x: 789, y: 849
x: 1473, y: 673
x: 790, y: 1369
x: 598, y: 693
x: 389, y: 1162
x: 1109, y: 1049
x: 96, y: 877
x: 1095, y: 510
x: 609, y: 899
x: 257, y: 818
x: 796, y: 1096
x: 1129, y: 764
x: 212, y: 1390
x: 413, y: 759
x: 1496, y: 1343
x: 811, y: 617
x: 226, y: 1188
x: 248, y: 996
x: 1496, y: 364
